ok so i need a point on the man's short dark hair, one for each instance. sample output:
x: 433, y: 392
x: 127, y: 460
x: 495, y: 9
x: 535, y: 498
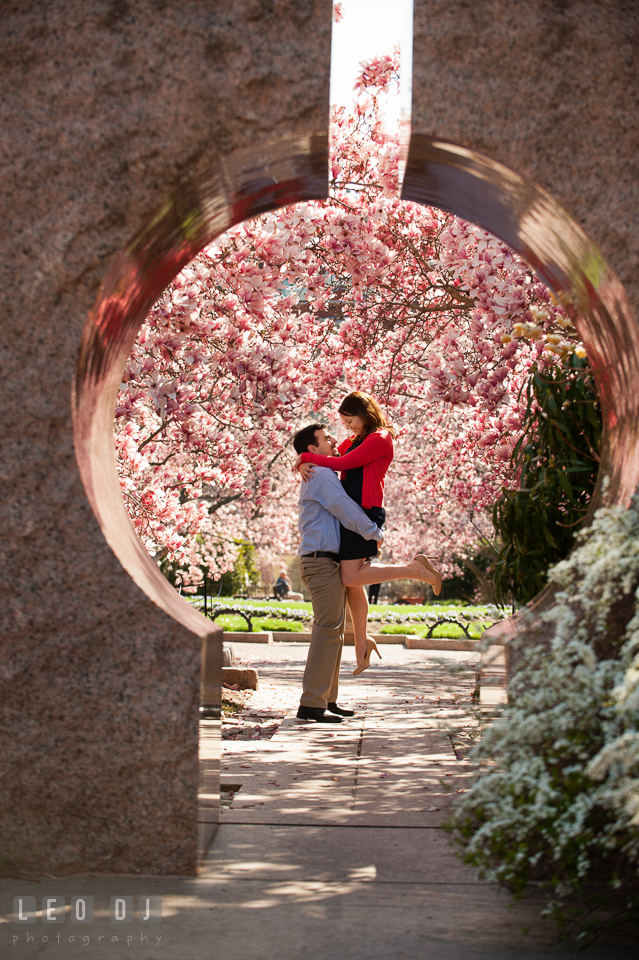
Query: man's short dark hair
x: 306, y: 436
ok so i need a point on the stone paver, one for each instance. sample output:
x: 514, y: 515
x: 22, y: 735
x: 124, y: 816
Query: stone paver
x: 333, y: 847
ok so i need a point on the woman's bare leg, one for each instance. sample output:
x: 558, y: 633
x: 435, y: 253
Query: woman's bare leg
x: 356, y: 574
x: 359, y: 573
x: 358, y: 603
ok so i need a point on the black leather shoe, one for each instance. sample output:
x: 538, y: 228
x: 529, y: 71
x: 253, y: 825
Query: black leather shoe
x: 316, y: 714
x: 340, y: 711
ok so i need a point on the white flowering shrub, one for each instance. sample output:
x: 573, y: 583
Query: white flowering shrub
x: 557, y: 798
x: 617, y: 763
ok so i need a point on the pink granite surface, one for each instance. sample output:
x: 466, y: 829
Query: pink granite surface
x: 107, y: 108
x: 549, y: 88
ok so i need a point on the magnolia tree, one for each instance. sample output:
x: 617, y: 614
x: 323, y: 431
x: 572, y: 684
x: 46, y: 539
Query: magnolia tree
x: 274, y: 322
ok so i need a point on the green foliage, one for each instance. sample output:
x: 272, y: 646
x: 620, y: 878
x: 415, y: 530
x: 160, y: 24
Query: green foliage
x: 234, y: 581
x: 558, y: 460
x: 464, y: 585
x: 244, y: 572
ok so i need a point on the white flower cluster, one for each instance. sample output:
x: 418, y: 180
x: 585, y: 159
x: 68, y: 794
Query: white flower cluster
x: 558, y: 798
x: 250, y: 609
x: 489, y: 614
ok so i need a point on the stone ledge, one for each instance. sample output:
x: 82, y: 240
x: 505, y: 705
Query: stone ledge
x: 246, y: 678
x: 245, y: 636
x: 412, y: 643
x: 291, y: 636
x: 285, y: 637
x: 440, y: 643
x: 493, y: 690
x: 380, y: 638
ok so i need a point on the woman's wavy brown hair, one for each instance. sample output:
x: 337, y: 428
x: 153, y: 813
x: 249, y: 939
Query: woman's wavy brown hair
x: 358, y: 404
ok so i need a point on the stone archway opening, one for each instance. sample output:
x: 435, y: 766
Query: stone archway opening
x: 453, y: 178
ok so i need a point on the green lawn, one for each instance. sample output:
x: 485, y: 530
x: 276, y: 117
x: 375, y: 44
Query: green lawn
x: 449, y: 631
x: 435, y: 607
x: 232, y: 622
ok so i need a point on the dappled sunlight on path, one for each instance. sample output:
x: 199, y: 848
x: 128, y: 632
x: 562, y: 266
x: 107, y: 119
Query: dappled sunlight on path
x: 394, y: 759
x: 332, y: 847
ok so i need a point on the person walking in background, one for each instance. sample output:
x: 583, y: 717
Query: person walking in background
x: 373, y: 592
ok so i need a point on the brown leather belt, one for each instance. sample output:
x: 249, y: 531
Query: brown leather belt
x: 321, y: 554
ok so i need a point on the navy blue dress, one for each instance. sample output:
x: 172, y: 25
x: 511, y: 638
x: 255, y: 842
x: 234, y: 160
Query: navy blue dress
x: 352, y: 545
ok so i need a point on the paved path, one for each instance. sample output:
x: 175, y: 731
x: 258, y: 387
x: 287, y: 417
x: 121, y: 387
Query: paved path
x: 332, y: 847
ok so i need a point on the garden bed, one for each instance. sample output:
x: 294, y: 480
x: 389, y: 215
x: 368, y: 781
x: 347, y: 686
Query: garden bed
x: 419, y: 620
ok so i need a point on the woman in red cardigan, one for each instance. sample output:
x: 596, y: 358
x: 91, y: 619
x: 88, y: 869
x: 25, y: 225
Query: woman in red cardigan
x: 364, y: 460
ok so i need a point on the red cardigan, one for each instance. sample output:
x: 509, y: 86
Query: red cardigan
x: 374, y: 454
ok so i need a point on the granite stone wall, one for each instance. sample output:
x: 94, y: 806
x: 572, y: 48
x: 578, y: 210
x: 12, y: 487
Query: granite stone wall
x: 107, y: 109
x: 550, y: 88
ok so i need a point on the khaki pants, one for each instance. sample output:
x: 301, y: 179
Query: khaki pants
x: 328, y: 596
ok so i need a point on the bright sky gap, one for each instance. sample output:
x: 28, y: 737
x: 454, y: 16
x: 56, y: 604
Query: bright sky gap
x: 370, y: 28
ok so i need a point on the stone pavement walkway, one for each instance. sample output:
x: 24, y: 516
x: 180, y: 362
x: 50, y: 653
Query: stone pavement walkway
x: 332, y: 846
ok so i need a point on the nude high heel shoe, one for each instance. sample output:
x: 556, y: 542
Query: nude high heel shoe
x: 425, y: 562
x: 366, y: 662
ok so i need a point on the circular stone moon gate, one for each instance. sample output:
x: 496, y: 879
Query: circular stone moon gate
x: 102, y: 661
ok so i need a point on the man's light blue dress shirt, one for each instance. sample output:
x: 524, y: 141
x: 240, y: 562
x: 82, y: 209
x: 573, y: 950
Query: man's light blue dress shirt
x: 323, y: 505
